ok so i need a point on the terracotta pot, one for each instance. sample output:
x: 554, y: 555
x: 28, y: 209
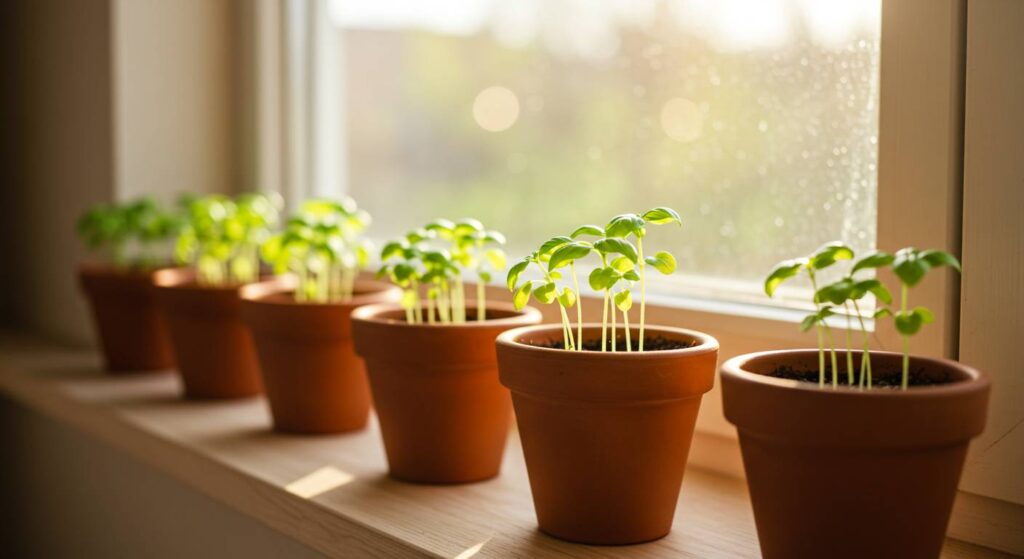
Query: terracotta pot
x: 130, y: 327
x: 849, y: 473
x: 314, y: 381
x: 443, y: 414
x: 212, y: 346
x: 605, y: 435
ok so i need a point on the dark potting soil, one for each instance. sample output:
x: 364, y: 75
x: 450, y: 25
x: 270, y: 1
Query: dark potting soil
x: 651, y: 343
x: 885, y: 379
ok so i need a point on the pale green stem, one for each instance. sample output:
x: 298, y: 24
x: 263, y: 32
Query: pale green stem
x: 614, y: 337
x: 904, y: 294
x: 849, y: 345
x: 569, y: 342
x: 416, y: 300
x: 865, y: 361
x: 579, y: 308
x: 604, y: 322
x: 835, y: 363
x: 625, y: 326
x: 643, y: 293
x: 481, y: 302
x: 430, y: 309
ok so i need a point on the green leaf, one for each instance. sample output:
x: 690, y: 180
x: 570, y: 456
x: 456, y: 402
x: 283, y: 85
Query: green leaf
x: 873, y: 286
x: 612, y: 245
x: 393, y: 248
x: 908, y: 323
x: 625, y: 225
x: 545, y: 293
x: 631, y: 276
x: 663, y: 261
x: 497, y: 258
x: 603, y: 278
x: 485, y: 276
x: 522, y: 295
x: 552, y: 244
x: 494, y: 237
x: 623, y: 264
x: 882, y: 313
x: 828, y: 254
x: 593, y: 230
x: 808, y: 322
x: 936, y: 258
x: 909, y: 267
x: 926, y: 314
x: 468, y: 226
x: 514, y: 272
x: 876, y: 259
x: 624, y: 301
x: 783, y: 271
x: 662, y: 215
x: 836, y: 293
x: 568, y: 298
x: 567, y: 254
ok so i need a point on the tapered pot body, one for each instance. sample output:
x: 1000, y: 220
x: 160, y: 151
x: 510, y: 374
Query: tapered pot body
x: 313, y: 379
x: 605, y: 435
x: 444, y: 416
x: 212, y: 346
x: 128, y: 323
x: 849, y: 473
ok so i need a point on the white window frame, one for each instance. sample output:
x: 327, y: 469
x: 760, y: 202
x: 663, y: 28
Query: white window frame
x: 920, y: 189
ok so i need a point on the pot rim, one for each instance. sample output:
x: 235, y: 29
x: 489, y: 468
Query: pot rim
x: 706, y: 343
x: 256, y: 294
x: 184, y: 279
x: 734, y: 370
x: 371, y: 314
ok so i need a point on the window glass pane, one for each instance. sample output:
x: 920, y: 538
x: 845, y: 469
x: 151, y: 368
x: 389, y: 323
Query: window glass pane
x: 756, y: 119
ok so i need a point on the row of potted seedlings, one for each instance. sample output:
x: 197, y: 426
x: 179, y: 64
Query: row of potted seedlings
x: 605, y: 411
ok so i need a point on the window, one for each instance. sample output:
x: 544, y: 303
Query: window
x: 756, y: 119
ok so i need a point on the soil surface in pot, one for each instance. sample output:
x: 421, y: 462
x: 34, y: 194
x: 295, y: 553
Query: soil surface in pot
x: 887, y: 379
x: 651, y: 343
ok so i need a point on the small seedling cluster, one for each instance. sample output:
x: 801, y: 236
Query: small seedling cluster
x: 129, y: 235
x: 322, y: 245
x: 430, y: 262
x: 842, y: 297
x: 222, y: 236
x: 622, y: 264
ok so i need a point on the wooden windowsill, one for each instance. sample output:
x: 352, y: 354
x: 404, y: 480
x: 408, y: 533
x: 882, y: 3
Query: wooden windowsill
x: 331, y: 492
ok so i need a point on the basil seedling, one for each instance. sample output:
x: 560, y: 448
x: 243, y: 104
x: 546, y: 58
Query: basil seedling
x: 910, y: 266
x: 436, y: 256
x: 323, y: 246
x: 222, y: 236
x: 130, y: 234
x: 820, y: 259
x: 622, y: 263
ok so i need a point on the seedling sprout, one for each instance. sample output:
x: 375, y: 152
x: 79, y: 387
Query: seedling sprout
x: 131, y: 234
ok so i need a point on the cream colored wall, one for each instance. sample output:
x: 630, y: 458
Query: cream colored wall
x: 174, y: 113
x: 992, y: 293
x: 59, y: 145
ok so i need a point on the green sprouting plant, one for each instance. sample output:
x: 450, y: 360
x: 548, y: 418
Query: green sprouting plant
x: 622, y: 264
x: 820, y: 259
x: 322, y: 245
x: 848, y: 291
x: 910, y: 266
x: 222, y: 236
x: 434, y: 259
x: 130, y: 234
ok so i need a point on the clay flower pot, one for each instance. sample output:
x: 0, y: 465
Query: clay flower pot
x: 443, y: 414
x: 130, y: 328
x: 212, y: 346
x: 849, y: 473
x: 313, y: 379
x: 605, y: 435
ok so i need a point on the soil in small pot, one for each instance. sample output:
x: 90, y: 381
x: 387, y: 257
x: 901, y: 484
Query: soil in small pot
x: 651, y: 343
x: 130, y: 327
x: 314, y: 381
x: 884, y: 379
